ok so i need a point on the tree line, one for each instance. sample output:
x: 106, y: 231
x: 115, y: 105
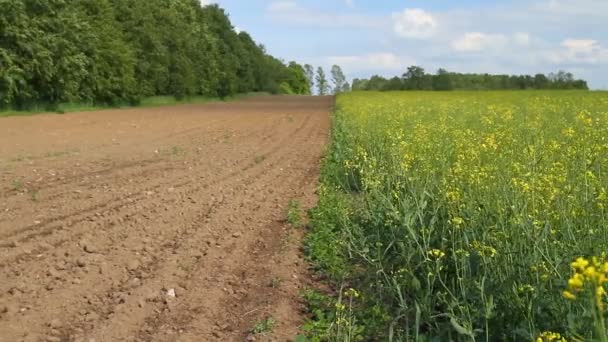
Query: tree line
x: 415, y: 78
x: 120, y: 51
x: 318, y: 80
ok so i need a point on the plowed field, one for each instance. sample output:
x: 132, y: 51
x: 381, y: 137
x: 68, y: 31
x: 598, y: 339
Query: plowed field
x: 156, y: 224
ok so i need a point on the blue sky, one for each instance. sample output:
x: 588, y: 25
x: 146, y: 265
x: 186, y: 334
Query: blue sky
x: 384, y: 37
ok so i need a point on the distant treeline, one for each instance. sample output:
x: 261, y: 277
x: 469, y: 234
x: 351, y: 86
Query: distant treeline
x: 415, y: 78
x: 119, y: 51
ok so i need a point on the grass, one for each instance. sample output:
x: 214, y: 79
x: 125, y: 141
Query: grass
x: 263, y: 326
x: 294, y: 214
x: 52, y: 154
x: 227, y: 136
x: 456, y: 216
x: 17, y: 184
x: 174, y: 151
x: 35, y: 195
x: 154, y: 101
x: 259, y: 159
x: 276, y: 282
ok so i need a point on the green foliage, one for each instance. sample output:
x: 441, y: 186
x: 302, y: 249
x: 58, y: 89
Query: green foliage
x: 285, y: 88
x: 325, y: 244
x: 338, y: 79
x: 294, y: 217
x: 322, y: 309
x: 297, y: 79
x: 259, y: 159
x: 321, y: 81
x: 153, y: 101
x: 310, y: 76
x: 17, y: 184
x: 263, y: 326
x: 456, y: 218
x: 35, y: 195
x: 415, y: 78
x: 116, y: 52
x: 276, y: 282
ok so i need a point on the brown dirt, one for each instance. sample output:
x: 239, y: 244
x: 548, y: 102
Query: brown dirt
x: 105, y: 215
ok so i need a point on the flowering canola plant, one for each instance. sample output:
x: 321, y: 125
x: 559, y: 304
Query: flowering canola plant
x: 461, y: 211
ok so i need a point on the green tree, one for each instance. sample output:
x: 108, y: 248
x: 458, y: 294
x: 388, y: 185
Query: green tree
x: 416, y: 79
x: 297, y: 79
x: 110, y: 61
x: 393, y: 84
x: 413, y: 78
x: 321, y: 81
x: 338, y: 79
x: 359, y: 84
x: 346, y: 87
x: 376, y: 83
x: 310, y: 75
x: 442, y: 80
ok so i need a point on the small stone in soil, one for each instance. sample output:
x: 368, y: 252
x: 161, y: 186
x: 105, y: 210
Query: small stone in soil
x: 55, y: 324
x: 90, y: 248
x: 132, y: 265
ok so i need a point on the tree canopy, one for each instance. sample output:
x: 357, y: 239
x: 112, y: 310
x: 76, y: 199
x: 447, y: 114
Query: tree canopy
x: 323, y: 87
x: 118, y: 51
x: 415, y: 78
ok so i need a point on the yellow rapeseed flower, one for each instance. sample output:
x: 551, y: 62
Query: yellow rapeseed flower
x: 549, y: 336
x: 457, y: 221
x: 436, y: 253
x: 580, y: 264
x: 576, y: 282
x: 352, y: 293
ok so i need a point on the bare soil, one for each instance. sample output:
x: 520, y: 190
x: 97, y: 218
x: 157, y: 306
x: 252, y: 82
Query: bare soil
x: 157, y: 224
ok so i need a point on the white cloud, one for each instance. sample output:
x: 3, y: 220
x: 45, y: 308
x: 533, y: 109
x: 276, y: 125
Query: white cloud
x: 479, y: 41
x: 522, y: 38
x: 280, y: 6
x: 581, y: 45
x: 349, y: 3
x: 414, y: 23
x: 573, y: 7
x: 486, y: 42
x: 381, y: 61
x: 578, y: 51
x: 291, y: 13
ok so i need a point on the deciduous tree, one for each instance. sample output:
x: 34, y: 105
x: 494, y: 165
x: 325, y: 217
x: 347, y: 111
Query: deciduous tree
x: 321, y: 81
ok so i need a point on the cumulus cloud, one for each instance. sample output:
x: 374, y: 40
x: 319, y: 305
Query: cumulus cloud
x: 573, y: 7
x: 479, y: 41
x: 292, y: 13
x: 280, y: 6
x: 522, y: 38
x: 579, y: 51
x: 381, y: 61
x: 414, y: 23
x: 584, y: 46
x: 488, y: 42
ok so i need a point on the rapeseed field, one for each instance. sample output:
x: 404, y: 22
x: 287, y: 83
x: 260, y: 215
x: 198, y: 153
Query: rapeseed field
x: 472, y: 216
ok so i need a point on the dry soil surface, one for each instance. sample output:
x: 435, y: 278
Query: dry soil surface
x: 157, y: 224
